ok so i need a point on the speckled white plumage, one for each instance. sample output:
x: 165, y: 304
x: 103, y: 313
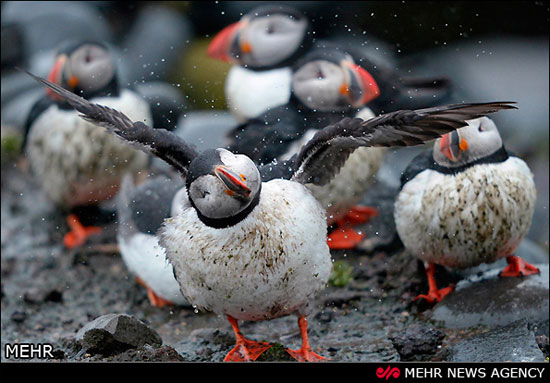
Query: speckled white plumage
x: 270, y: 264
x: 249, y: 93
x: 476, y: 216
x: 79, y: 163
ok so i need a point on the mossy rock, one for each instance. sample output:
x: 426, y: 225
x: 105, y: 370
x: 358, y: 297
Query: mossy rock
x: 11, y: 143
x: 341, y: 274
x: 202, y: 78
x: 275, y: 353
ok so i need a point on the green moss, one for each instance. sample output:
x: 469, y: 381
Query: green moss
x: 276, y: 353
x: 11, y: 143
x: 202, y: 78
x: 341, y: 274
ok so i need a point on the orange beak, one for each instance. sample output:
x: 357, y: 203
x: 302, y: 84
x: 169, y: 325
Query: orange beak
x: 362, y: 88
x: 452, y: 145
x: 233, y: 182
x: 220, y: 45
x: 55, y: 74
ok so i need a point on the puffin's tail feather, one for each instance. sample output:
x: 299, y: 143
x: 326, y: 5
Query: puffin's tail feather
x: 124, y: 198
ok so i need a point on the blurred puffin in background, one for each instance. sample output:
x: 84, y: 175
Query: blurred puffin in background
x: 76, y: 163
x: 269, y: 40
x: 328, y: 84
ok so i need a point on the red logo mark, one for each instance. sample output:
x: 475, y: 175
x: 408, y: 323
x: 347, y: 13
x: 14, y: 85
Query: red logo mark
x: 388, y: 372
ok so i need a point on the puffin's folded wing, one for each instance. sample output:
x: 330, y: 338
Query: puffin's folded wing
x: 323, y: 156
x: 160, y: 142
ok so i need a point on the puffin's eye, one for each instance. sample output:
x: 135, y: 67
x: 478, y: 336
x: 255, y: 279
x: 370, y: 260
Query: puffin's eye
x: 480, y: 128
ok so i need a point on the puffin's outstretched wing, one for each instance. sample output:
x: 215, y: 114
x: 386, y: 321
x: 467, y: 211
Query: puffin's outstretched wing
x: 322, y: 157
x: 160, y: 142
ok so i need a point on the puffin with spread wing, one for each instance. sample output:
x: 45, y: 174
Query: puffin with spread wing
x: 248, y: 241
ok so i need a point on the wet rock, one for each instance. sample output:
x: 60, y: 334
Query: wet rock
x: 73, y: 19
x: 37, y: 295
x: 417, y: 341
x: 206, y: 344
x: 112, y: 333
x: 12, y: 41
x: 544, y: 344
x: 511, y: 343
x: 490, y: 300
x: 19, y: 316
x: 148, y: 353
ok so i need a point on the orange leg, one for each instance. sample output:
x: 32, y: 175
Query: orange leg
x: 79, y: 233
x: 305, y: 353
x: 245, y: 350
x: 434, y: 294
x: 154, y: 299
x: 344, y: 237
x: 517, y: 267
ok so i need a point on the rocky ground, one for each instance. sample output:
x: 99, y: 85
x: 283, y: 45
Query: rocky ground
x: 86, y: 304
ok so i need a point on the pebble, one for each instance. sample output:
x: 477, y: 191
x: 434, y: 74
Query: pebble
x: 116, y: 332
x: 492, y: 301
x: 512, y: 343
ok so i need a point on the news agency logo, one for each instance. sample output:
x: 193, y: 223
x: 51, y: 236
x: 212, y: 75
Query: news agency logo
x: 28, y: 351
x: 389, y: 372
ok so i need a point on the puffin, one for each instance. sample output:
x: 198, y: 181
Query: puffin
x: 327, y: 86
x: 465, y: 202
x: 141, y: 210
x: 268, y: 40
x: 76, y: 163
x: 248, y: 241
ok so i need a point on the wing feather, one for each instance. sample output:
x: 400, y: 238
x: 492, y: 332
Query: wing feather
x: 323, y: 156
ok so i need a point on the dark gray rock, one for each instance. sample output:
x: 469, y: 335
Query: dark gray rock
x: 116, y: 332
x: 512, y: 343
x: 417, y: 341
x: 490, y: 300
x: 46, y: 24
x: 157, y: 38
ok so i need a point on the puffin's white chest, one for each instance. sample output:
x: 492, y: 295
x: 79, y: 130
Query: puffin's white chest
x: 270, y: 264
x: 476, y: 216
x: 78, y: 162
x: 249, y: 93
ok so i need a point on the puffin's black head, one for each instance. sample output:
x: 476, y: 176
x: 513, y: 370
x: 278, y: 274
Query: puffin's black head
x: 267, y: 37
x: 85, y: 68
x: 460, y: 147
x: 329, y: 79
x: 223, y: 186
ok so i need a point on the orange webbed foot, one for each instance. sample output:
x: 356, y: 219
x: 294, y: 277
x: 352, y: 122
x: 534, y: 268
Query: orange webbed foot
x: 343, y: 238
x: 517, y: 267
x: 357, y: 215
x: 436, y: 295
x: 79, y: 233
x: 246, y: 351
x: 305, y: 353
